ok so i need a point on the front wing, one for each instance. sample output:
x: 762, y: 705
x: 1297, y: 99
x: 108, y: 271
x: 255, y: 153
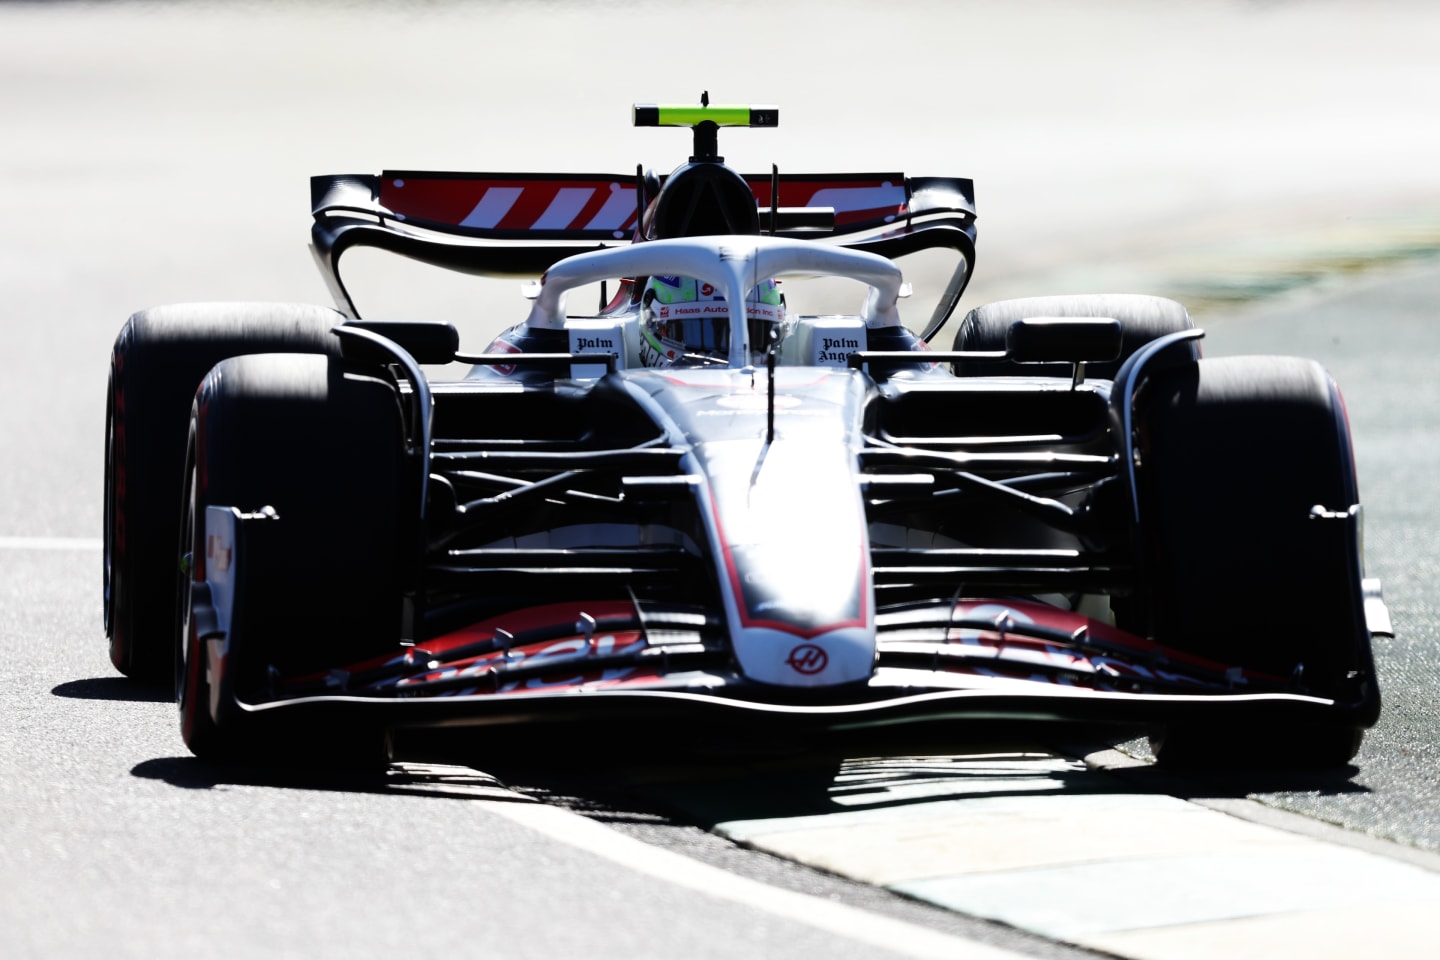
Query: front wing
x: 567, y: 665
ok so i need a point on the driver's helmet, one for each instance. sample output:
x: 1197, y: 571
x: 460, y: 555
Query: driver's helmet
x: 684, y: 322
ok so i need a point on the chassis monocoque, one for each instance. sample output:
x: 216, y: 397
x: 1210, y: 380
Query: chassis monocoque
x: 1070, y: 515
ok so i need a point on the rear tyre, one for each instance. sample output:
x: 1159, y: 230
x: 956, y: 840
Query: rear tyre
x: 1235, y: 453
x: 318, y: 588
x: 1142, y: 319
x: 159, y: 358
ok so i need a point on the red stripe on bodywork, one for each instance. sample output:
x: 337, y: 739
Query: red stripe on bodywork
x: 531, y: 618
x: 534, y: 200
x: 451, y: 200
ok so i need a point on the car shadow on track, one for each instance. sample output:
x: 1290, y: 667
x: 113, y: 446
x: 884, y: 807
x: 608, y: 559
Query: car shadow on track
x: 994, y: 763
x: 411, y: 779
x: 115, y: 688
x: 705, y: 785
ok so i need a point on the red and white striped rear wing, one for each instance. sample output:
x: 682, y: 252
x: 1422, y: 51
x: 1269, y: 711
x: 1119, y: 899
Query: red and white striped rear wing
x: 518, y: 224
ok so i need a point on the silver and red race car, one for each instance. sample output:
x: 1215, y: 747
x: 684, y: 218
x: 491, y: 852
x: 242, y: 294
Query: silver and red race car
x: 813, y: 525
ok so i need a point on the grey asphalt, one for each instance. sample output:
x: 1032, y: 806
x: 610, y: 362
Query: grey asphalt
x: 1381, y: 341
x: 158, y: 153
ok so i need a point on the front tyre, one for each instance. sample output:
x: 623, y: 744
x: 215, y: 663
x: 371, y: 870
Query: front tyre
x: 319, y: 583
x: 1250, y: 548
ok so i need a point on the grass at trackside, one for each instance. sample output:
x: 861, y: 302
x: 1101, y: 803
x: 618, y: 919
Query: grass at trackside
x: 1273, y: 266
x: 1220, y: 277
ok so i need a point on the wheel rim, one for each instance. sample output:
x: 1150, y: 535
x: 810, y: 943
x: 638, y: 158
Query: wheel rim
x: 186, y: 661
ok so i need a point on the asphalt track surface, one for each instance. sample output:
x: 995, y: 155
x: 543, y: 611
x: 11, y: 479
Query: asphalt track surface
x: 157, y: 153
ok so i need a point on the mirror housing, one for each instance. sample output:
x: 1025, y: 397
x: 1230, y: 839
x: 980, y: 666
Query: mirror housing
x: 1063, y: 340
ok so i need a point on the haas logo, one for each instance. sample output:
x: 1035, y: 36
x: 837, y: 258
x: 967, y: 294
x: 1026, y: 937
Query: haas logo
x: 808, y: 659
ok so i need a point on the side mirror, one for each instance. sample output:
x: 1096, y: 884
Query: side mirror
x: 428, y: 341
x: 1063, y: 340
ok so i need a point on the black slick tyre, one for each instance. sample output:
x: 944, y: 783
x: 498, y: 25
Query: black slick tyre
x: 319, y: 445
x: 1249, y: 536
x: 1142, y: 319
x: 159, y: 358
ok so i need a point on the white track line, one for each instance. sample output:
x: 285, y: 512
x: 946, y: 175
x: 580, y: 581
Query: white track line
x: 894, y: 936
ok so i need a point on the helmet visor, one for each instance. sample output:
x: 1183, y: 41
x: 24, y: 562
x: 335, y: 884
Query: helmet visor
x: 711, y: 334
x: 692, y: 316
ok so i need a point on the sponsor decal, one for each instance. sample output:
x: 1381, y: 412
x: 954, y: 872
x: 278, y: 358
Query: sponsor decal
x: 832, y: 347
x: 808, y: 659
x: 602, y: 344
x: 585, y: 342
x: 503, y: 346
x: 218, y: 553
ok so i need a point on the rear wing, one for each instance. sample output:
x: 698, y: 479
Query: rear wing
x: 519, y: 224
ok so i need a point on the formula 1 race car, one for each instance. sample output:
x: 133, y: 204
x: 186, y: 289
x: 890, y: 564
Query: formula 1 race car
x: 699, y: 507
